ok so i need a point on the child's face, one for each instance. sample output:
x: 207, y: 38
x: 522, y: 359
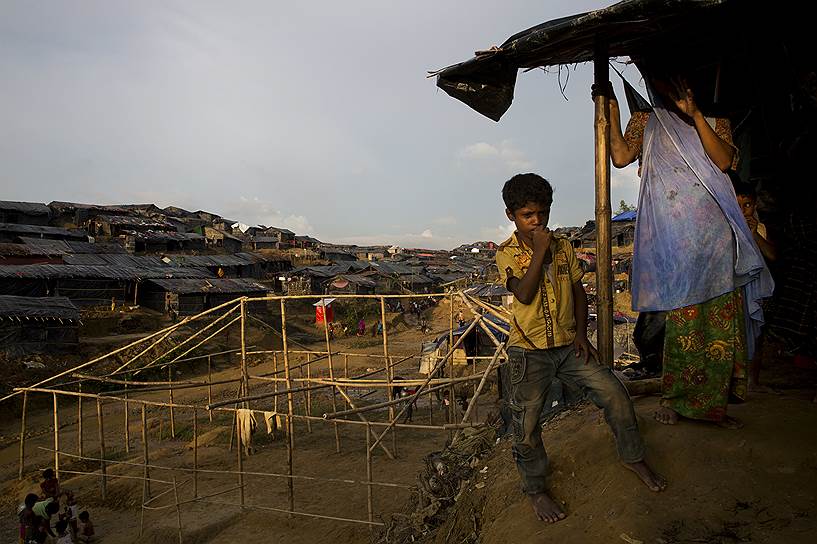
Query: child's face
x: 747, y: 204
x: 530, y: 217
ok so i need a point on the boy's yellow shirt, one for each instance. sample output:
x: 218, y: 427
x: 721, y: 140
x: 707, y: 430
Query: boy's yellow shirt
x: 549, y: 320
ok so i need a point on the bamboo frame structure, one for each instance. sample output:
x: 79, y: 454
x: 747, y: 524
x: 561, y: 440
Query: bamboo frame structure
x: 280, y: 382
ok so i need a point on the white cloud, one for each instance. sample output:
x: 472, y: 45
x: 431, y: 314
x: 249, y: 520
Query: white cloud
x: 499, y: 233
x: 447, y: 220
x: 504, y: 154
x: 625, y: 177
x: 425, y: 239
x: 258, y: 212
x: 427, y: 234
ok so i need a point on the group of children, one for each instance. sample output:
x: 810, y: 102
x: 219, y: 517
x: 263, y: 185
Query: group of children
x: 36, y: 513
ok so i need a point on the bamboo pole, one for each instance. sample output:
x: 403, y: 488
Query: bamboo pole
x: 366, y: 421
x: 79, y: 422
x: 195, y: 453
x: 389, y: 371
x: 369, y: 501
x: 240, y: 459
x: 195, y: 346
x: 210, y: 385
x: 145, y: 456
x: 23, y: 435
x: 290, y: 426
x: 102, y: 466
x: 331, y: 376
x: 244, y: 373
x: 56, y: 438
x: 604, y: 249
x: 451, y: 360
x: 473, y: 402
x: 346, y: 369
x: 178, y: 509
x: 275, y: 385
x: 170, y: 392
x: 309, y: 389
x: 127, y: 421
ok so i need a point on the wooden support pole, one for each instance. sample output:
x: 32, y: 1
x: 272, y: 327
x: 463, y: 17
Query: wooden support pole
x: 56, y: 438
x: 389, y: 371
x: 239, y: 445
x: 126, y: 406
x: 195, y: 453
x: 604, y: 250
x: 473, y: 402
x: 275, y: 384
x: 170, y: 392
x: 451, y: 362
x: 290, y: 400
x: 79, y: 423
x: 210, y: 385
x: 245, y: 376
x: 23, y: 435
x: 369, y: 498
x: 331, y: 375
x: 102, y: 465
x: 346, y: 369
x: 309, y: 390
x: 366, y: 421
x: 145, y: 457
x: 178, y: 509
x: 290, y: 447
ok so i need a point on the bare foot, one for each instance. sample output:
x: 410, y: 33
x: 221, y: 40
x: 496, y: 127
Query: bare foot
x: 729, y: 422
x: 665, y: 415
x: 653, y: 480
x: 546, y: 508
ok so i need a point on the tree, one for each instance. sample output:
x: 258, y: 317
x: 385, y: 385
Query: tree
x: 624, y: 207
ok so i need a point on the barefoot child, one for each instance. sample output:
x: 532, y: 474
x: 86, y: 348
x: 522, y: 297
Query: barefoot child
x: 548, y: 340
x: 85, y: 532
x: 27, y: 517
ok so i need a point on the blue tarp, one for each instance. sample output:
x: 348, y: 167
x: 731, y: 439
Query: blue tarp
x: 625, y: 216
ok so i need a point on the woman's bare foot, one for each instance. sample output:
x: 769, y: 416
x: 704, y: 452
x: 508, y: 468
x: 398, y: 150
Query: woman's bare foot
x: 546, y: 508
x: 665, y: 415
x: 729, y: 422
x: 653, y: 480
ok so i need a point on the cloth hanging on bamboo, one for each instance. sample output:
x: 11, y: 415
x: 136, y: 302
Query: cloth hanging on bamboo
x: 692, y: 243
x: 245, y: 420
x: 705, y: 358
x: 273, y: 421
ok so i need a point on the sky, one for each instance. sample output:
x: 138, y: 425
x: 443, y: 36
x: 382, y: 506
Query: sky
x: 314, y: 116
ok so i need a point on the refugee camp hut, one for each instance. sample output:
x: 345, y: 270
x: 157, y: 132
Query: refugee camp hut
x: 114, y: 225
x: 25, y: 213
x: 38, y: 325
x: 17, y: 254
x: 324, y: 310
x: 226, y: 225
x: 351, y: 284
x: 219, y: 239
x: 336, y: 256
x: 491, y: 292
x: 306, y: 242
x: 192, y: 296
x: 163, y: 241
x: 265, y: 242
x: 12, y: 232
x: 285, y: 236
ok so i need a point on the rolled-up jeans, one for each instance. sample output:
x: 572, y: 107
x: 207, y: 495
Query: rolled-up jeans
x: 531, y: 373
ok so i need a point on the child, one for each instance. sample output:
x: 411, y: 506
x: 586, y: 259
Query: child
x: 63, y: 536
x: 548, y: 341
x: 26, y: 516
x: 86, y: 528
x: 43, y: 510
x: 50, y: 486
x: 747, y: 200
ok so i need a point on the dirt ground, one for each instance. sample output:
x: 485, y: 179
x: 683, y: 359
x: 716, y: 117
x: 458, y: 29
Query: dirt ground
x: 118, y: 517
x: 757, y: 484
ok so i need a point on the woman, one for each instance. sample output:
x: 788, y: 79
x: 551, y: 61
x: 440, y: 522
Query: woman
x: 694, y: 255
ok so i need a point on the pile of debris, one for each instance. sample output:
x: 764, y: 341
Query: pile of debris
x: 439, y: 485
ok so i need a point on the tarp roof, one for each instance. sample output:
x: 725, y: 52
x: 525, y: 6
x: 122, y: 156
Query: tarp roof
x: 106, y: 272
x: 486, y: 82
x: 221, y: 285
x: 626, y: 216
x: 30, y: 208
x: 37, y: 229
x: 46, y: 307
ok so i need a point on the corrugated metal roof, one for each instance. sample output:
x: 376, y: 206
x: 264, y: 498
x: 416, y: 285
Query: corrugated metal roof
x: 37, y: 229
x: 221, y: 285
x: 47, y: 307
x: 111, y: 272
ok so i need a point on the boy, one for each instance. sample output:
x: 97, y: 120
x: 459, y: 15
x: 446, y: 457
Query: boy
x: 86, y: 529
x: 63, y: 536
x: 27, y: 518
x: 548, y: 341
x: 747, y: 200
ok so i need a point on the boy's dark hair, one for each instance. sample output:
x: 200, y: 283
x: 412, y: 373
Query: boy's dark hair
x: 48, y: 474
x: 742, y: 188
x: 31, y: 499
x: 524, y: 188
x: 84, y: 516
x: 52, y: 507
x: 61, y: 526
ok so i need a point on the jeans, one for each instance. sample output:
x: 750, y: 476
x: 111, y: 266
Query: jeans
x: 531, y: 373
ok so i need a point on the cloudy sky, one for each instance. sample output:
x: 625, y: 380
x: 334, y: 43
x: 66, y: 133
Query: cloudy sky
x: 316, y: 116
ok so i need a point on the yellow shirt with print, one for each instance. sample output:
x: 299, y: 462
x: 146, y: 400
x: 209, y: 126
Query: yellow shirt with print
x: 548, y: 321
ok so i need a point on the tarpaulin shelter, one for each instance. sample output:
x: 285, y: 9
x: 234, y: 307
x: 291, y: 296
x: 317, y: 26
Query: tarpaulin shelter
x: 323, y: 309
x: 706, y: 35
x: 37, y: 324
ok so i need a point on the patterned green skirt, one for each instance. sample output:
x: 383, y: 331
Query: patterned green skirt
x: 705, y: 357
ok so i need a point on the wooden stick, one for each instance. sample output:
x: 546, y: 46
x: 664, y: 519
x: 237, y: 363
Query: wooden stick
x: 369, y: 501
x: 209, y: 386
x: 244, y: 374
x: 366, y: 421
x: 275, y: 384
x: 290, y: 426
x: 331, y: 376
x: 56, y: 438
x: 451, y: 361
x: 309, y: 390
x: 79, y: 422
x: 145, y: 457
x: 239, y: 445
x: 389, y: 371
x: 23, y: 435
x: 170, y: 392
x: 473, y: 402
x: 346, y: 369
x: 178, y: 509
x: 127, y: 421
x: 196, y: 453
x: 102, y: 467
